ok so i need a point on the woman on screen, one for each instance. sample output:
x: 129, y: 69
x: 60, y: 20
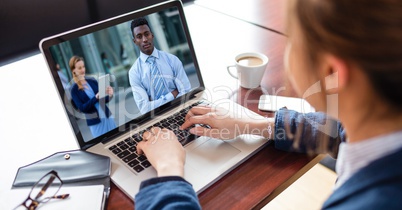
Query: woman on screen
x: 85, y: 96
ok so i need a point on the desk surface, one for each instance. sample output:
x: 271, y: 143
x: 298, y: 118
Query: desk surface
x: 33, y: 121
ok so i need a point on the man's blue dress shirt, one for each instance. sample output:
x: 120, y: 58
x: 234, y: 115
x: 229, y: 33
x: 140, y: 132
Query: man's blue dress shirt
x: 172, y: 70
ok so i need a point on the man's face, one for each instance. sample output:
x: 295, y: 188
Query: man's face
x: 144, y: 39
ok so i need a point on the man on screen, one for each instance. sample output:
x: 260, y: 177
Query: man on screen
x: 156, y: 77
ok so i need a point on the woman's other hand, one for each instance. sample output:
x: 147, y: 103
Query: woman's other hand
x: 163, y: 151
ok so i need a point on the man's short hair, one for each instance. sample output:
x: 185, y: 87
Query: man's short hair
x: 138, y: 22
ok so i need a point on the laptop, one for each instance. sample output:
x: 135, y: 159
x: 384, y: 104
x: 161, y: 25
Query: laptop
x: 207, y: 159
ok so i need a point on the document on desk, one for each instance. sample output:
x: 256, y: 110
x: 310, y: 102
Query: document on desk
x: 81, y: 197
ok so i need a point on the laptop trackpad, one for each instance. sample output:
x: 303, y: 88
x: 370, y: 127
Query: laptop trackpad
x: 211, y: 155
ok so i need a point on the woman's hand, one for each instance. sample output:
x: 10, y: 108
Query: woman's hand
x: 223, y: 123
x: 163, y: 151
x: 109, y: 91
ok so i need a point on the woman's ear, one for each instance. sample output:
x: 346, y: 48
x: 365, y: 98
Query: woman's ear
x: 336, y: 74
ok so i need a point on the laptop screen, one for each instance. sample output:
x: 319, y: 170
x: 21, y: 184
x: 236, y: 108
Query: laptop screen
x: 116, y: 74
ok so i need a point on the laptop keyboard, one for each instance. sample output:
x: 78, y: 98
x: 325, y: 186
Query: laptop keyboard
x: 126, y: 149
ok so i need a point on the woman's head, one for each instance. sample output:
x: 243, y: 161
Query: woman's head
x: 360, y: 34
x: 77, y: 68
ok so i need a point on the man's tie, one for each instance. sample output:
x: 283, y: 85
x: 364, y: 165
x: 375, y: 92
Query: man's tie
x: 156, y: 78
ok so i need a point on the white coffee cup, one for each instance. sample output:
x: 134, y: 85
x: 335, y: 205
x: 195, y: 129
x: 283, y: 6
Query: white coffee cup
x: 250, y: 68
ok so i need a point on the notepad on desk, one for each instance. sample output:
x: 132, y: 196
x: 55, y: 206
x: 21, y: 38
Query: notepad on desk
x: 81, y: 197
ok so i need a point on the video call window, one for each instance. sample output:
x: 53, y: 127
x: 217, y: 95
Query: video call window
x: 112, y: 52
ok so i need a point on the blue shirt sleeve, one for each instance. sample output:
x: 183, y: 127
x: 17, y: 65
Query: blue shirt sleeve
x: 311, y: 133
x: 181, y: 80
x: 174, y: 74
x: 171, y: 192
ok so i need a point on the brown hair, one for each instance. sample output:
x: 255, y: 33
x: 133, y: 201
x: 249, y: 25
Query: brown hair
x: 73, y: 60
x: 365, y: 33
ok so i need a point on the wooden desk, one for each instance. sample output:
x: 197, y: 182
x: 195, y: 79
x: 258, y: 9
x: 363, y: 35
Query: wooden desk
x: 217, y: 39
x: 264, y: 13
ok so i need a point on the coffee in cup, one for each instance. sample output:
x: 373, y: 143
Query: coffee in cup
x: 250, y: 69
x: 250, y: 61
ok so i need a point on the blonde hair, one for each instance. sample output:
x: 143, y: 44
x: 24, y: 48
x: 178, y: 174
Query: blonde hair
x: 73, y: 60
